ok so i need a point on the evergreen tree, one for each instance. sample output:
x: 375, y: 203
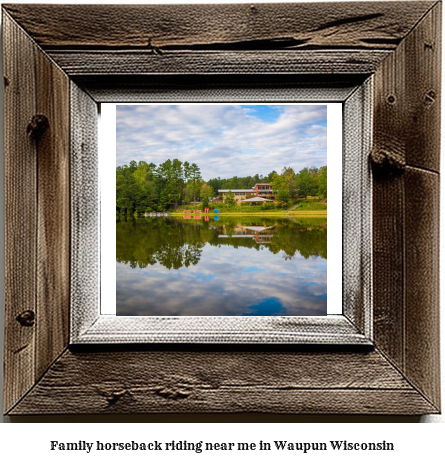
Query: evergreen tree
x: 195, y: 174
x: 142, y: 187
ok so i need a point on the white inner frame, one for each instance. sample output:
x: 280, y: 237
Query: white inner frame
x: 107, y: 181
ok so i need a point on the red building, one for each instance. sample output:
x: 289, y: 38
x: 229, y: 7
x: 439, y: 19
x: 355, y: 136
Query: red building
x: 264, y: 190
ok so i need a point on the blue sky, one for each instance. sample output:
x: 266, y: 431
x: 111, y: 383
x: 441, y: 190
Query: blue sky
x: 224, y: 140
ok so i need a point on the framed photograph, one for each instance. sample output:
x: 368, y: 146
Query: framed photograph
x: 226, y: 119
x: 196, y: 234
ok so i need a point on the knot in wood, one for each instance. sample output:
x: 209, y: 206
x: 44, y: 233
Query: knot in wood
x: 172, y: 393
x: 114, y: 397
x: 37, y: 126
x: 389, y: 163
x: 26, y: 318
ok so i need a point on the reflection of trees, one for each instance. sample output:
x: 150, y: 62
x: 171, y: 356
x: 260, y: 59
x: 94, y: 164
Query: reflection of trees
x: 174, y: 242
x: 145, y: 242
x: 307, y: 241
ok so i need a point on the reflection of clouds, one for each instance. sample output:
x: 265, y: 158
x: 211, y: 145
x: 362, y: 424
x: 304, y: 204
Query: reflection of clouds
x: 220, y: 285
x: 270, y: 306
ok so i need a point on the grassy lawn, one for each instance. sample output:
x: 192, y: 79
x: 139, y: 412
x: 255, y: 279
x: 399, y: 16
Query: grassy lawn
x: 303, y: 207
x: 266, y: 213
x: 310, y: 206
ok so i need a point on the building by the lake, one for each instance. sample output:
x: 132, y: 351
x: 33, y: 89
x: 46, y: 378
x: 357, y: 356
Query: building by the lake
x: 263, y: 190
x: 260, y: 234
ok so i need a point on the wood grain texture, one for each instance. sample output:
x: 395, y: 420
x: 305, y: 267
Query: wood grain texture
x: 423, y: 91
x: 53, y: 235
x: 37, y: 213
x: 408, y: 83
x: 78, y: 63
x: 388, y: 268
x: 215, y: 330
x: 406, y: 208
x: 422, y: 364
x: 342, y: 25
x: 84, y: 205
x: 388, y: 201
x: 398, y: 42
x: 223, y: 382
x: 20, y: 212
x: 357, y: 201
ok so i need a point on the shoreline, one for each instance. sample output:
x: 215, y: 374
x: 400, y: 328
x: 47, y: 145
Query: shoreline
x: 302, y: 213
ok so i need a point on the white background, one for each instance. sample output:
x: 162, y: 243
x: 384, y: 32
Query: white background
x: 107, y: 147
x: 21, y: 442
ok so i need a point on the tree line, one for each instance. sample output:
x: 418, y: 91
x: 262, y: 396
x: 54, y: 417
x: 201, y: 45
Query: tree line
x: 289, y: 186
x: 144, y: 187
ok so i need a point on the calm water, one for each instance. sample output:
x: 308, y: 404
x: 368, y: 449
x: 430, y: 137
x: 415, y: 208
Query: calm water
x: 221, y: 267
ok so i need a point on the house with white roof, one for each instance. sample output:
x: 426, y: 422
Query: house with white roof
x: 263, y: 190
x: 240, y: 194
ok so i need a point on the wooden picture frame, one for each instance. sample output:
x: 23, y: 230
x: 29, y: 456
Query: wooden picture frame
x: 59, y: 67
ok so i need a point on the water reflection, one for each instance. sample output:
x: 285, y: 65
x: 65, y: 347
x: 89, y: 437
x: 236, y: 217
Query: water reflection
x: 233, y: 266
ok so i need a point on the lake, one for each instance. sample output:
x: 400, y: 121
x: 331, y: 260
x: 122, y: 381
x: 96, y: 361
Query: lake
x: 222, y: 266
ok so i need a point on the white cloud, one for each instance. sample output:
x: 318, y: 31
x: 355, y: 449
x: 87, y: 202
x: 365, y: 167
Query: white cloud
x: 224, y: 140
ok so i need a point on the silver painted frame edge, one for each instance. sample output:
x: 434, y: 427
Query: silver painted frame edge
x: 88, y: 326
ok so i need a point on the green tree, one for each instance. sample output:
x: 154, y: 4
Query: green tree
x: 305, y: 182
x: 270, y: 176
x: 206, y: 191
x: 144, y: 174
x: 216, y: 184
x: 233, y: 183
x: 285, y: 185
x: 322, y: 181
x: 195, y: 174
x: 124, y: 204
x: 188, y: 192
x: 230, y: 199
x: 177, y: 180
x: 170, y: 182
x: 186, y: 176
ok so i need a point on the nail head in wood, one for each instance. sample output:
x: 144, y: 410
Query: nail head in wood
x: 37, y: 126
x: 430, y: 97
x: 26, y: 318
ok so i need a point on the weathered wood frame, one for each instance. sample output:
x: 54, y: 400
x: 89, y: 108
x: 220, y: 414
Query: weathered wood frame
x: 76, y: 56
